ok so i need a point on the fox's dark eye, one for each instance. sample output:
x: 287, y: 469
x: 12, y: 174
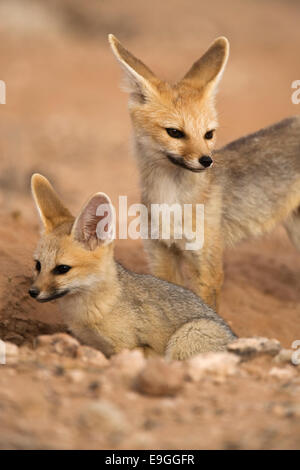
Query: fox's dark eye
x: 38, y: 266
x: 61, y: 269
x: 209, y: 135
x: 175, y: 133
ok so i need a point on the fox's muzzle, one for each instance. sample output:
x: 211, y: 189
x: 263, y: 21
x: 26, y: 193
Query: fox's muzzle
x: 35, y: 292
x: 204, y: 162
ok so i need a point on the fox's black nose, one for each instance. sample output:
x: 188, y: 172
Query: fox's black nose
x: 205, y: 161
x: 34, y: 292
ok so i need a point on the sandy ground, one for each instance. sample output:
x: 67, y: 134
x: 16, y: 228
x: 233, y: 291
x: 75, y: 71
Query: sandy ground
x: 67, y: 118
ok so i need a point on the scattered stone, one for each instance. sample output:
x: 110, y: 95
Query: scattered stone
x: 287, y: 410
x: 142, y: 440
x: 59, y: 343
x: 286, y: 373
x: 248, y: 348
x: 76, y: 375
x: 128, y: 363
x: 43, y: 374
x: 160, y: 378
x: 59, y: 371
x: 91, y: 356
x: 284, y: 356
x: 103, y: 415
x: 95, y: 386
x: 220, y: 364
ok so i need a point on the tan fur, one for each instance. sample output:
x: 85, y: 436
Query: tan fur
x: 107, y: 306
x: 253, y: 185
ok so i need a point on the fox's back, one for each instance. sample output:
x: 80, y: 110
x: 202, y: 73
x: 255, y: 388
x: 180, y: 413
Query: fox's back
x: 255, y: 173
x: 175, y: 304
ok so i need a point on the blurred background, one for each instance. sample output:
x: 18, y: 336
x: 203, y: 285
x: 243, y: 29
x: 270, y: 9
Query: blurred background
x: 66, y: 118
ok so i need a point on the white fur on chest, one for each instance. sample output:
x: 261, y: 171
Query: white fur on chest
x: 180, y: 195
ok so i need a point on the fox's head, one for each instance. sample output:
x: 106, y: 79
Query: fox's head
x: 73, y: 253
x: 175, y: 123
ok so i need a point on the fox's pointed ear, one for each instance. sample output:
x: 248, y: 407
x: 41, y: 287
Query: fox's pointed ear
x: 208, y: 70
x: 140, y: 80
x: 95, y: 224
x: 51, y: 210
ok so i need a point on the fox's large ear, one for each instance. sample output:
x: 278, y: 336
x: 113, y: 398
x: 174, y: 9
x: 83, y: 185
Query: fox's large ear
x: 208, y: 70
x: 95, y: 224
x: 51, y: 210
x: 140, y: 80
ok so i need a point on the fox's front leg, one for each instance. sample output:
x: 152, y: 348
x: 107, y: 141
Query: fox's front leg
x: 165, y: 262
x: 206, y: 269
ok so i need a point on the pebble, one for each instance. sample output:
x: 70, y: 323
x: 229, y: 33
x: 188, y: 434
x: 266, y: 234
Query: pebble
x: 252, y: 347
x: 160, y: 378
x: 129, y: 363
x: 286, y: 373
x: 103, y: 415
x: 220, y: 364
x: 59, y: 343
x: 91, y: 356
x: 284, y: 356
x: 76, y: 375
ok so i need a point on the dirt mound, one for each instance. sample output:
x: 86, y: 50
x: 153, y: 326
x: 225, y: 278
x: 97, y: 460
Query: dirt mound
x: 20, y: 319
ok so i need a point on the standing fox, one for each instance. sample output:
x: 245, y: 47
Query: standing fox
x: 254, y: 185
x: 105, y: 305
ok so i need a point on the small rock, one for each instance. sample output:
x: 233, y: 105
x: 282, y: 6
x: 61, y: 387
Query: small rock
x: 142, y: 440
x: 76, y: 375
x: 160, y: 378
x: 221, y: 364
x: 59, y: 343
x: 286, y: 410
x: 91, y: 356
x: 95, y: 386
x: 129, y: 363
x: 286, y: 373
x: 279, y: 409
x: 43, y: 374
x: 284, y: 356
x: 248, y: 348
x: 59, y: 371
x: 104, y: 416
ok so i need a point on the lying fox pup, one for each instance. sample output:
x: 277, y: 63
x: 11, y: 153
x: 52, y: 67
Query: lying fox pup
x: 254, y: 185
x: 105, y: 305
